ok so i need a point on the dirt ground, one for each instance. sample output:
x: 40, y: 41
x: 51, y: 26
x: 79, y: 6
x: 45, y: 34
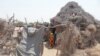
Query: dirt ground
x: 49, y: 52
x: 93, y: 51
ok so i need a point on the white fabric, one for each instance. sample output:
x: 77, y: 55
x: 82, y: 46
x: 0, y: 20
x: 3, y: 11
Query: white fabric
x: 31, y: 30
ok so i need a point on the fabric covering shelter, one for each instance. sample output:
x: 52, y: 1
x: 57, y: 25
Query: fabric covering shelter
x: 31, y: 46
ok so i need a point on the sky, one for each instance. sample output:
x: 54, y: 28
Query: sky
x: 43, y: 10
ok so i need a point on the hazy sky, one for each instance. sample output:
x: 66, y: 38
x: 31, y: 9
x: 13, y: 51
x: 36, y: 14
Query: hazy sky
x: 34, y: 10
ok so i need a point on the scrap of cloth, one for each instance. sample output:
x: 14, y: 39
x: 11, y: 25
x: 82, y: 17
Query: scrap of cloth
x: 31, y: 45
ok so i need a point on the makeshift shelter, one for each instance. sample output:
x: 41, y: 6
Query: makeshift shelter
x: 82, y: 22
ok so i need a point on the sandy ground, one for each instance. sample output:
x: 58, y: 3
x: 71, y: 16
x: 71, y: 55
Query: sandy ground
x: 49, y: 52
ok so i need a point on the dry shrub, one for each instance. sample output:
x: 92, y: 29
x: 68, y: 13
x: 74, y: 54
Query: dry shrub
x: 7, y: 43
x: 94, y: 51
x: 88, y: 36
x: 2, y: 25
x: 69, y: 40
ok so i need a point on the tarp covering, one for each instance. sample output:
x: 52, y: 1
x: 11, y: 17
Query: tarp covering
x: 31, y: 46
